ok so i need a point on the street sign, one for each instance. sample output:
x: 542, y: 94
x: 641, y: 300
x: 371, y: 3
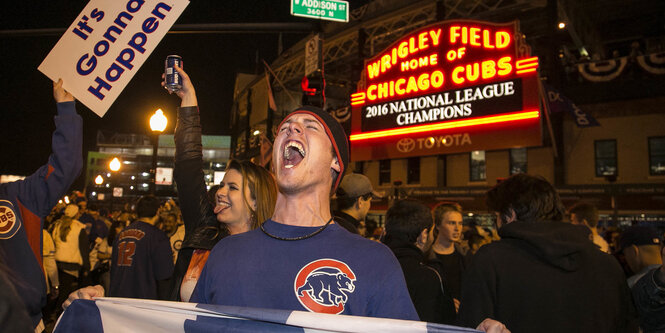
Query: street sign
x: 332, y: 10
x: 313, y: 55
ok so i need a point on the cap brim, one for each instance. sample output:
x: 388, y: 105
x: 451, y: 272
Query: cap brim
x: 378, y: 194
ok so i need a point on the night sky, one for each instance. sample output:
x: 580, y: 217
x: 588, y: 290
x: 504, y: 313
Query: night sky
x: 211, y: 60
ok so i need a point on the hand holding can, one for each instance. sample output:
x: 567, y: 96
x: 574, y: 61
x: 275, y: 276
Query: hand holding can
x: 172, y: 79
x: 184, y: 87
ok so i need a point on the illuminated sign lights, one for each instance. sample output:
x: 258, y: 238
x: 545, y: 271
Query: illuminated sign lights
x: 358, y: 98
x: 452, y: 75
x: 452, y: 55
x: 508, y: 117
x: 528, y: 65
x: 426, y: 82
x: 470, y: 102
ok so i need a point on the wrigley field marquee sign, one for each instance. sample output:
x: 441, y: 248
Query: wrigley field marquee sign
x: 453, y: 86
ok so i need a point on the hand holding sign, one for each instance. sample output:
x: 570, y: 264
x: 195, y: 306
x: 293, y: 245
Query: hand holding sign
x: 60, y: 94
x: 106, y: 45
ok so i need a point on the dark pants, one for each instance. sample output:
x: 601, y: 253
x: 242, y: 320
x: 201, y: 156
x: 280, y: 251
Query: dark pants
x: 68, y: 284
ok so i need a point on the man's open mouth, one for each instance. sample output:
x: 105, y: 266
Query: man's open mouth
x: 293, y: 154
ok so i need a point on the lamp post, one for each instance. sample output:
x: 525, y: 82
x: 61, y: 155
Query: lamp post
x: 158, y: 123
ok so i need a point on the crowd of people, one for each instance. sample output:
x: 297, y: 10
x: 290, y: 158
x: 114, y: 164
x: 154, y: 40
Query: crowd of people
x: 269, y: 239
x: 78, y: 241
x: 432, y: 244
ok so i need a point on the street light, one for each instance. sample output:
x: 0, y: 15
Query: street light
x: 114, y: 165
x: 99, y: 180
x: 158, y: 123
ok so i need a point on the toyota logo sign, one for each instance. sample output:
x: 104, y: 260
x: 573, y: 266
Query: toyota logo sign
x: 406, y: 145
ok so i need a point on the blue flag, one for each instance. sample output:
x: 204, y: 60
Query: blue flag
x: 560, y: 103
x: 111, y: 315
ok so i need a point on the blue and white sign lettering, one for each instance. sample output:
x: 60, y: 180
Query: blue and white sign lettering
x: 106, y: 45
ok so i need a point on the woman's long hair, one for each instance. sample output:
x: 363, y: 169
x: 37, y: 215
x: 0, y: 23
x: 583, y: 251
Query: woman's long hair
x: 65, y: 227
x: 262, y: 189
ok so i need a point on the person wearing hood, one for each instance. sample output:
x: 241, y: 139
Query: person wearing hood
x: 408, y: 227
x: 543, y: 275
x: 25, y: 203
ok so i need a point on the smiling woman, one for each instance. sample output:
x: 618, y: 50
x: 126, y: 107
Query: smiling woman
x: 245, y: 198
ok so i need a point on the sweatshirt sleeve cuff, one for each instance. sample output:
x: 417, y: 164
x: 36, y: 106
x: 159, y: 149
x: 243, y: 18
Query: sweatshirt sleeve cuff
x: 66, y: 108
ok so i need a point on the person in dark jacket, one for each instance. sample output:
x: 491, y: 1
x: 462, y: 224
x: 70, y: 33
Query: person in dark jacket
x: 13, y: 313
x: 354, y: 199
x: 544, y: 275
x: 408, y: 226
x: 206, y: 221
x: 141, y: 259
x: 447, y: 234
x: 24, y: 203
x: 649, y: 295
x: 641, y: 245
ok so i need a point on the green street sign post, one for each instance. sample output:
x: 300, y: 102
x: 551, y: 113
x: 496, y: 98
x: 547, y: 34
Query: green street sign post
x: 332, y: 10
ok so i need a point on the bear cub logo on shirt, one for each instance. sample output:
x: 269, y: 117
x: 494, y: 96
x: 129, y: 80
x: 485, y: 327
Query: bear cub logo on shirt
x: 9, y: 225
x: 324, y: 285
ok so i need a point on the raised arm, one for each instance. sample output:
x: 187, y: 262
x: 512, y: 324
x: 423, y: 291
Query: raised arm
x: 42, y: 190
x: 188, y: 174
x: 32, y: 198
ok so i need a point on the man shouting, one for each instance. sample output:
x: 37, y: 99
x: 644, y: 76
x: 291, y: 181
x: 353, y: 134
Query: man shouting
x: 300, y: 259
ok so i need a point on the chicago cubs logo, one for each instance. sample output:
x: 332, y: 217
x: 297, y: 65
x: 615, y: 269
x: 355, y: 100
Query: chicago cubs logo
x: 406, y: 145
x: 323, y: 286
x: 9, y: 224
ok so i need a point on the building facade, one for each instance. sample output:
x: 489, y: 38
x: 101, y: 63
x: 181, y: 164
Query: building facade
x: 135, y: 153
x: 603, y: 63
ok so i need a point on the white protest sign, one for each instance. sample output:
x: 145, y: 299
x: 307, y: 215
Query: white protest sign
x: 106, y: 45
